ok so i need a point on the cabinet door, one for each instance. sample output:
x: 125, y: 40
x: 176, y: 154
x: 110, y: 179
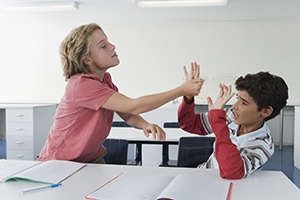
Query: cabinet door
x: 19, y: 128
x: 20, y: 155
x: 19, y: 115
x: 19, y: 142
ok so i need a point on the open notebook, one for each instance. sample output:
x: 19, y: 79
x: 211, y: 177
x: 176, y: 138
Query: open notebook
x: 162, y: 187
x: 52, y: 171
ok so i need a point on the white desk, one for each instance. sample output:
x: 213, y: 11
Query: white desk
x: 132, y: 134
x: 136, y: 136
x: 260, y: 185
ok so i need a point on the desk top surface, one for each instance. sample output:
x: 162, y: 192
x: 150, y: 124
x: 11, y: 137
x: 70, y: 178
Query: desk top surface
x: 260, y: 185
x: 132, y: 134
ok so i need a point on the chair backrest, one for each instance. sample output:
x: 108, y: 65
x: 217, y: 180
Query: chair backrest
x: 120, y: 124
x: 171, y: 125
x: 116, y: 151
x: 193, y: 151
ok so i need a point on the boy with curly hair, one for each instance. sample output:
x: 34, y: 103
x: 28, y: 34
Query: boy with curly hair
x: 243, y: 141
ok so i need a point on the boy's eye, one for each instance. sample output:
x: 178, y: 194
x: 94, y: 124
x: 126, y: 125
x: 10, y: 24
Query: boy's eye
x: 103, y: 45
x: 243, y: 102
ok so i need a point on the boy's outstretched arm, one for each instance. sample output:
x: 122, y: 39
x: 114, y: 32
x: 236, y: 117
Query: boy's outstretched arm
x: 230, y: 162
x: 121, y: 103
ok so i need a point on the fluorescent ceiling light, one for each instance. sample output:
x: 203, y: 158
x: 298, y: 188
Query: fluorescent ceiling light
x: 40, y: 7
x: 179, y: 3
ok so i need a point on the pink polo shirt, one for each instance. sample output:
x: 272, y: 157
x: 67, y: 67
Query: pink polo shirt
x: 80, y: 124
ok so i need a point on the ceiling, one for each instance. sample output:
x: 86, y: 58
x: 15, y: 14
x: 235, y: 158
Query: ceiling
x: 125, y: 11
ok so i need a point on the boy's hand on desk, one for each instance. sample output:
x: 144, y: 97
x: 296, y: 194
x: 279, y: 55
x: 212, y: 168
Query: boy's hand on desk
x: 156, y: 131
x: 224, y: 96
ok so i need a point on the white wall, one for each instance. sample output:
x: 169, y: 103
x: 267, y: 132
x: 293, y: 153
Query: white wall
x: 152, y: 56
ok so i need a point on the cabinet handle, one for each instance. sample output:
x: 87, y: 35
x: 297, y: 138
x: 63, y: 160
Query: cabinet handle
x: 20, y: 129
x: 19, y: 115
x: 20, y: 156
x: 20, y: 142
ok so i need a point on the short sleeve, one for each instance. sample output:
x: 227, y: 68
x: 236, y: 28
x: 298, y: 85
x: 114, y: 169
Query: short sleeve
x: 91, y: 92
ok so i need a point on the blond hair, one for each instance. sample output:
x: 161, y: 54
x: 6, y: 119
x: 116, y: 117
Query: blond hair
x: 75, y: 48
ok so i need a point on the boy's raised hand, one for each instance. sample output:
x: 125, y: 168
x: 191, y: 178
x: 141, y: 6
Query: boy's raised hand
x: 195, y: 72
x: 193, y: 78
x: 224, y: 96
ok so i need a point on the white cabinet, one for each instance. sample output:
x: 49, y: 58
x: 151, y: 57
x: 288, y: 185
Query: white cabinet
x: 27, y: 128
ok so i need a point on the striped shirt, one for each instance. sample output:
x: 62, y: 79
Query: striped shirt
x: 239, y: 155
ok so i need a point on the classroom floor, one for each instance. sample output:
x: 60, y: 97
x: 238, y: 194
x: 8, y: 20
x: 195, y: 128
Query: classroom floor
x: 280, y: 161
x: 284, y: 161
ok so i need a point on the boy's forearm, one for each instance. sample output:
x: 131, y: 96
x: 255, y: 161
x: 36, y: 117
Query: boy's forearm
x: 189, y: 120
x: 151, y: 102
x: 228, y: 156
x: 121, y: 103
x: 137, y: 121
x: 188, y: 89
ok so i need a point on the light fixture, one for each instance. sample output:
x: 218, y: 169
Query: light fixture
x: 40, y: 7
x: 179, y: 3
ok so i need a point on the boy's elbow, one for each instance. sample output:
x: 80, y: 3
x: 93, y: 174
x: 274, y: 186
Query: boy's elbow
x: 233, y: 174
x: 133, y: 108
x: 133, y: 111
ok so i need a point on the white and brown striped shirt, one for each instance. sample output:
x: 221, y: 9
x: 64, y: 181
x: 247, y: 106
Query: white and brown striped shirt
x: 255, y: 148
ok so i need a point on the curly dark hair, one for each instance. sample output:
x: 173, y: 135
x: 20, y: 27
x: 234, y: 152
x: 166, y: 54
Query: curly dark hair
x: 266, y: 90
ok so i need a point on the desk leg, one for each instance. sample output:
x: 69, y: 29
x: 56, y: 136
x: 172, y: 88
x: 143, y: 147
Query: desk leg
x: 165, y: 154
x: 281, y: 130
x: 138, y: 158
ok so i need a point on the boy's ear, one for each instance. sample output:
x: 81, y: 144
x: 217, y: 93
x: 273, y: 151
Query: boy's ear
x: 87, y: 60
x: 267, y: 111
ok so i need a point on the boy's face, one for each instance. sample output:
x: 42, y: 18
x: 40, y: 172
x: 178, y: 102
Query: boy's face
x: 102, y: 52
x: 246, y: 112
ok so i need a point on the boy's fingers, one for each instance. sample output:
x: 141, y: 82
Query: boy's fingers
x: 197, y: 73
x: 161, y: 134
x: 153, y: 131
x: 221, y: 90
x: 146, y: 133
x: 192, y: 68
x: 209, y: 101
x: 185, y: 71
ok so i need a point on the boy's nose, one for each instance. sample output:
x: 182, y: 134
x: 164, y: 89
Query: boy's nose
x: 234, y: 106
x: 113, y: 47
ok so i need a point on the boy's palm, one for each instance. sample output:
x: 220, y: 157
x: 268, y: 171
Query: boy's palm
x: 224, y: 96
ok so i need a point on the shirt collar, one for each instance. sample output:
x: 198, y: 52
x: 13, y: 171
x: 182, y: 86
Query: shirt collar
x: 263, y: 131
